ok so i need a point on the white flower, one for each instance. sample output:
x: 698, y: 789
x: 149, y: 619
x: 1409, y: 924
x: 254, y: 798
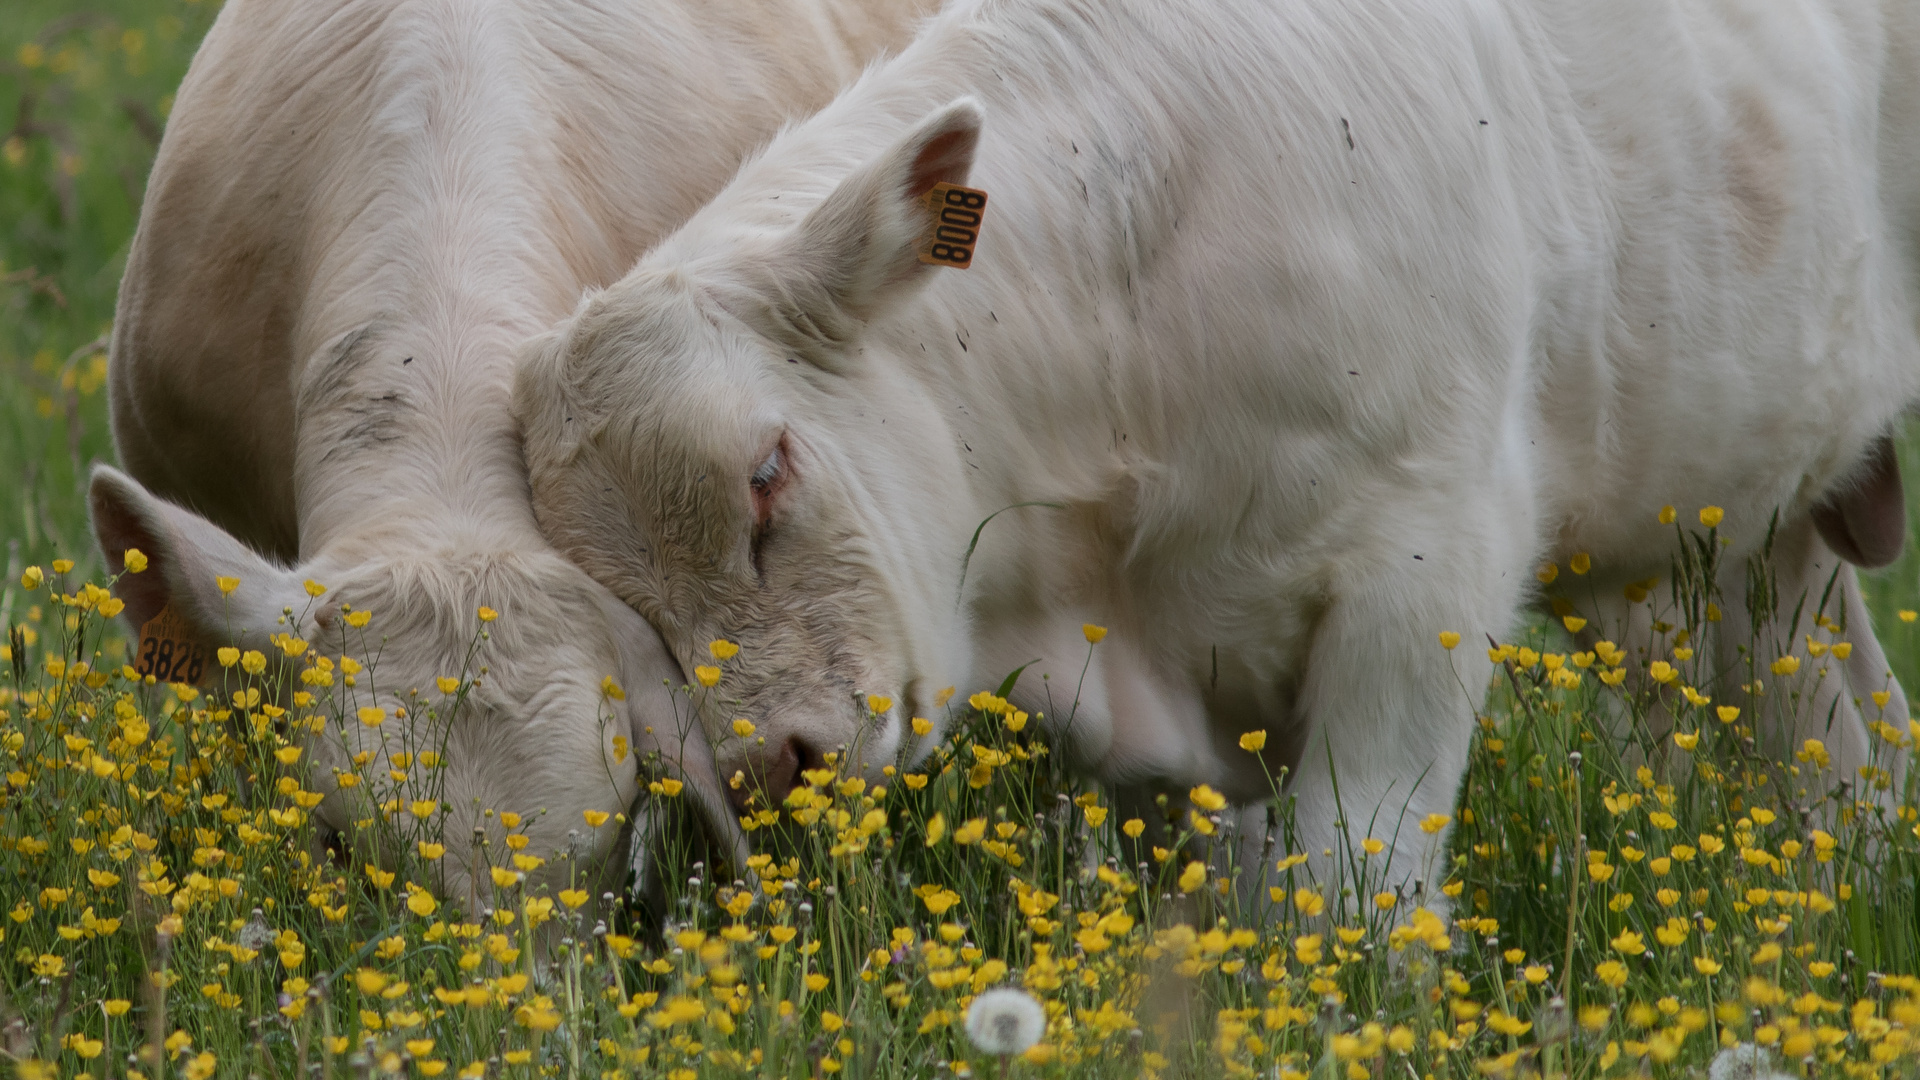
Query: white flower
x: 1744, y: 1062
x: 1006, y: 1021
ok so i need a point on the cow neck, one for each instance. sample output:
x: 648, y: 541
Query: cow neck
x: 409, y: 432
x: 433, y: 248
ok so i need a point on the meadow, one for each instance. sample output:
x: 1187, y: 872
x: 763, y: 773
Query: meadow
x: 1633, y: 884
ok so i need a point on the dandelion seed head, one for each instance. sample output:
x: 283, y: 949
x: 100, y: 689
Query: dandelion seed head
x: 1006, y: 1021
x: 1744, y: 1061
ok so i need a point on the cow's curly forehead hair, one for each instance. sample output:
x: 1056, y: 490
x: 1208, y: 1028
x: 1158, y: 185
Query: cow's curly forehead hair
x: 654, y: 403
x: 652, y: 337
x: 669, y: 396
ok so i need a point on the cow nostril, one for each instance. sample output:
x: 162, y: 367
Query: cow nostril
x: 775, y: 776
x: 784, y: 771
x: 810, y: 758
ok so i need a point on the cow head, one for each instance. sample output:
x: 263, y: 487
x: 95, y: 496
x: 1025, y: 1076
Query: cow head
x: 710, y: 439
x: 527, y: 726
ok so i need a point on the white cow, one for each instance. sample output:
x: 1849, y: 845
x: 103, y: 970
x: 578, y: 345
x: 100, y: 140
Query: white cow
x: 359, y: 209
x: 1323, y: 325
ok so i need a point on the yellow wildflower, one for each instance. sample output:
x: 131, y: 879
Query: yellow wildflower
x: 1194, y: 876
x: 1207, y: 799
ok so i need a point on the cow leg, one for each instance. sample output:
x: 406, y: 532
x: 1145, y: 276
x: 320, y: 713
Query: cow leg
x: 1142, y: 800
x: 1828, y: 699
x: 1630, y: 626
x: 1864, y: 673
x: 1391, y: 710
x: 1868, y: 672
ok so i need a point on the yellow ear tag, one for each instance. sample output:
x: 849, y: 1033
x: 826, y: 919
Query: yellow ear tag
x: 169, y: 651
x: 956, y: 213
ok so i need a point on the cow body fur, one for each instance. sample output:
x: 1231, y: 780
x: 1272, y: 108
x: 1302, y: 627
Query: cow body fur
x: 1321, y: 326
x: 359, y: 209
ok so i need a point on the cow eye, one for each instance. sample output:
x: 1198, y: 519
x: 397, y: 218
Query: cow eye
x: 767, y: 479
x: 768, y: 472
x: 765, y: 483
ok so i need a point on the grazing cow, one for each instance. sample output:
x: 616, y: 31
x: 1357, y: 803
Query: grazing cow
x: 359, y: 209
x: 1318, y: 327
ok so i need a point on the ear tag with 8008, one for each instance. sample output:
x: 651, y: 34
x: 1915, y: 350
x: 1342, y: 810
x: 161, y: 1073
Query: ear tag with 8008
x: 956, y: 213
x: 169, y: 650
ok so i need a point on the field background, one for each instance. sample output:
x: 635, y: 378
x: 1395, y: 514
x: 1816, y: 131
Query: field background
x: 86, y: 91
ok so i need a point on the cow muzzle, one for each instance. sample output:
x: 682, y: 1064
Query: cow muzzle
x: 773, y: 774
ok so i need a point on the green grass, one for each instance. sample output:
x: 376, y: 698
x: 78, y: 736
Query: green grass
x: 86, y: 89
x: 158, y: 856
x: 1630, y: 909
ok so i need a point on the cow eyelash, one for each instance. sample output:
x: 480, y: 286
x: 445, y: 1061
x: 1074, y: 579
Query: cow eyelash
x: 768, y: 471
x: 764, y: 483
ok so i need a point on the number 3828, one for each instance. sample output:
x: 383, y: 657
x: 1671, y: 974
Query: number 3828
x: 170, y: 661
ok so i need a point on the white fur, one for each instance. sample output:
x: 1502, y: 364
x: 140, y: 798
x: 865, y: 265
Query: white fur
x: 1323, y: 324
x: 359, y: 209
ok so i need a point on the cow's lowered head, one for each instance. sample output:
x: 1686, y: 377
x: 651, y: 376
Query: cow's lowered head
x: 526, y: 725
x: 711, y: 440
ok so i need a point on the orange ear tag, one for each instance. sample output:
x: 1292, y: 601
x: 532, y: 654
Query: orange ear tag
x: 169, y: 651
x: 956, y: 213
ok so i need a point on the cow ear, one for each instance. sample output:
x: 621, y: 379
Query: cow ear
x: 1864, y: 521
x: 861, y: 242
x: 187, y: 556
x: 855, y: 254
